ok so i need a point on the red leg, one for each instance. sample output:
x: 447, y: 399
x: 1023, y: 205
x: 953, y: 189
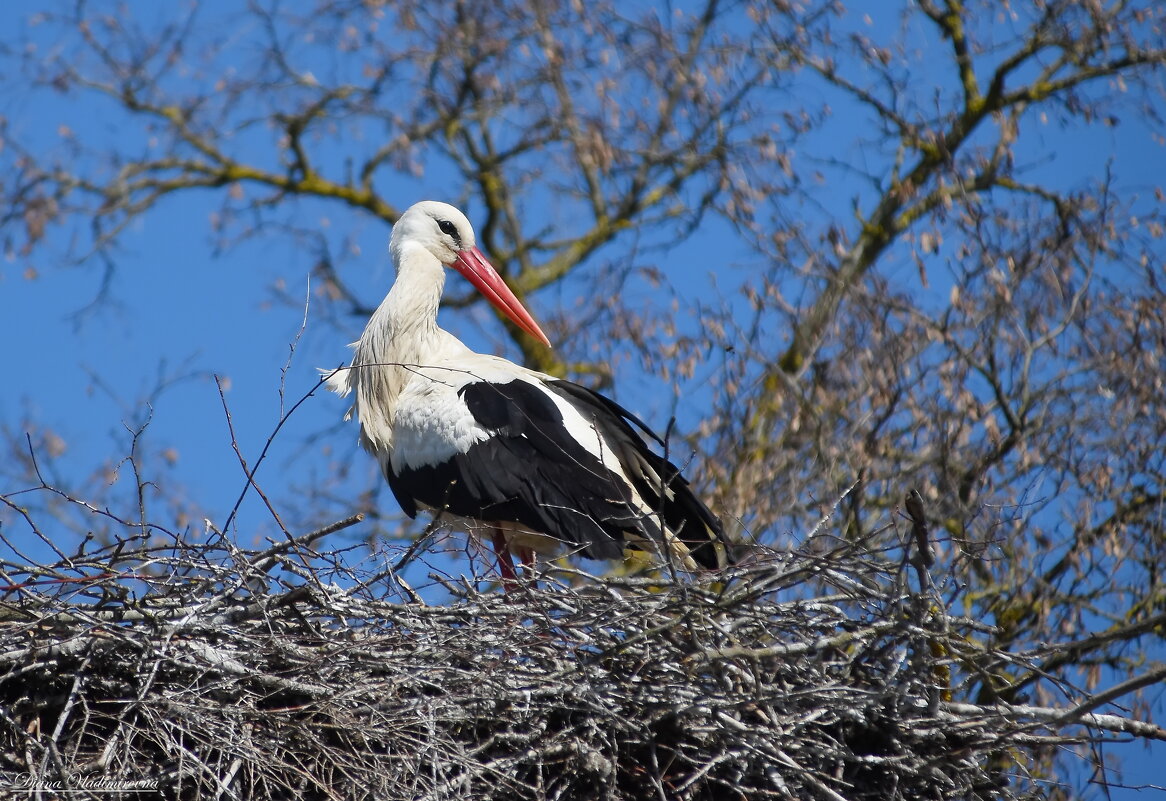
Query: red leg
x: 505, y: 562
x: 526, y: 557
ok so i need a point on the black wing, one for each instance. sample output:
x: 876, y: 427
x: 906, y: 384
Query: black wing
x: 530, y: 471
x: 533, y: 472
x: 657, y: 481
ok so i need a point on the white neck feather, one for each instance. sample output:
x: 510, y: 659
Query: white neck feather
x: 409, y: 311
x: 401, y: 334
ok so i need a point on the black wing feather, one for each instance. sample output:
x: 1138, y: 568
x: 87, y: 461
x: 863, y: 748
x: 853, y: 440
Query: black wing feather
x: 682, y: 512
x: 533, y: 472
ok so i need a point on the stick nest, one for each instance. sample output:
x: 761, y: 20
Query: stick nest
x: 211, y: 672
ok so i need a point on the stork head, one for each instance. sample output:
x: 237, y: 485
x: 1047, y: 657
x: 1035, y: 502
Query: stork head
x: 438, y: 227
x: 446, y: 233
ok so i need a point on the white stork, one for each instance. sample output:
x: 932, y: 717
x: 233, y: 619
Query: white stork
x: 537, y: 461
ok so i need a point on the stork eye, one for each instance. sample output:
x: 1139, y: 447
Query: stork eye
x: 447, y: 228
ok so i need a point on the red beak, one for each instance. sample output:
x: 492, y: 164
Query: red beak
x: 473, y: 265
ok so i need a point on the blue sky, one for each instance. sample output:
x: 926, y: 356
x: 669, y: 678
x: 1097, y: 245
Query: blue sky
x: 180, y: 309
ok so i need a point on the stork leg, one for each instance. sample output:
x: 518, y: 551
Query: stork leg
x: 505, y: 562
x: 526, y: 557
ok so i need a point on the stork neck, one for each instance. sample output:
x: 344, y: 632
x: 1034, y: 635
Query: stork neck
x: 411, y: 305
